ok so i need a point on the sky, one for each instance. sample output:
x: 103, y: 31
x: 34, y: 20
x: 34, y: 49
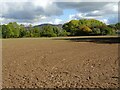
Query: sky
x: 57, y: 11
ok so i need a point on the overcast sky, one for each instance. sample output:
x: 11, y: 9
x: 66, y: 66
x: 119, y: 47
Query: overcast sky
x: 54, y: 12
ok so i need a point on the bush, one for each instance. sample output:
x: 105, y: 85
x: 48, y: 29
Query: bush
x: 64, y: 33
x: 96, y: 31
x: 107, y: 31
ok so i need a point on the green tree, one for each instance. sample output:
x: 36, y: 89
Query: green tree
x: 7, y: 31
x: 28, y: 33
x: 36, y: 32
x: 107, y: 31
x: 84, y: 27
x: 96, y: 31
x: 31, y: 30
x: 0, y: 31
x: 83, y: 30
x: 117, y: 25
x: 22, y: 31
x: 64, y: 33
x: 47, y: 31
x: 12, y: 30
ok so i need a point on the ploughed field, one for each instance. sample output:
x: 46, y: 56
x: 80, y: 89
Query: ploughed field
x: 47, y: 63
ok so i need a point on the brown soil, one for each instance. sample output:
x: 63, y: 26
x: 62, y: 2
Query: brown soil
x: 50, y: 63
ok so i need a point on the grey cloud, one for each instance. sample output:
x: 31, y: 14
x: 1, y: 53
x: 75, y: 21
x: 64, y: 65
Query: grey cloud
x: 85, y: 7
x: 22, y: 11
x: 82, y: 6
x: 28, y: 12
x: 96, y: 10
x: 53, y: 10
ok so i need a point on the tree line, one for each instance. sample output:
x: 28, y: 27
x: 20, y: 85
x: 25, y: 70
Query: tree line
x: 72, y: 28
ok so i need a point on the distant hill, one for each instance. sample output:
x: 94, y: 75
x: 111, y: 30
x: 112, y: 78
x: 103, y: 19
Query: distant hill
x: 41, y: 25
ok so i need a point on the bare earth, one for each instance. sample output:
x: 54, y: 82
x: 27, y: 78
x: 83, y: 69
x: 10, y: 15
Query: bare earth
x: 46, y: 63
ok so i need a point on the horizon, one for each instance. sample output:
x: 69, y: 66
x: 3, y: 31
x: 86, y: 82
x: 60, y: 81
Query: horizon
x: 51, y: 23
x: 43, y: 12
